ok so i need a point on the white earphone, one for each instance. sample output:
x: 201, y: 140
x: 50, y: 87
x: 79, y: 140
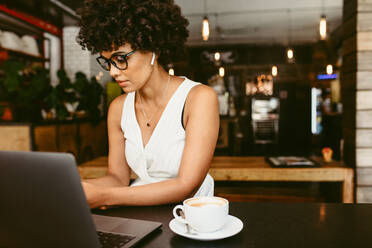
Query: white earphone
x: 153, y: 58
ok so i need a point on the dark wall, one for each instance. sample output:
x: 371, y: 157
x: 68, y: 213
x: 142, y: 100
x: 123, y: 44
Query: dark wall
x: 291, y: 86
x: 295, y: 125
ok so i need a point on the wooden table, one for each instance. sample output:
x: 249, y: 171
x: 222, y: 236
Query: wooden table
x: 224, y: 168
x: 269, y: 224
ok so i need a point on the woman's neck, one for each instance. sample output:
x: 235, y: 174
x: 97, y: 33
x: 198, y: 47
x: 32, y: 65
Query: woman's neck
x: 153, y: 91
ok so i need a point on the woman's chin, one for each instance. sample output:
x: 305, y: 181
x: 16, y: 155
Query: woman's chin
x: 126, y: 87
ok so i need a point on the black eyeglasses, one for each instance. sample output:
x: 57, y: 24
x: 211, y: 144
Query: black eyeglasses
x: 118, y: 59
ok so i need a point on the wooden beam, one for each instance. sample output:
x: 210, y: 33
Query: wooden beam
x: 349, y: 63
x: 350, y: 9
x: 348, y: 187
x: 349, y: 81
x: 349, y: 27
x: 349, y: 45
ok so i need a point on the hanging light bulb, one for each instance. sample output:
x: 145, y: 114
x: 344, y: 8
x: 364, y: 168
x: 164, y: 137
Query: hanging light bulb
x: 221, y: 71
x: 329, y: 69
x: 323, y: 27
x: 274, y: 71
x: 217, y: 56
x: 290, y: 53
x: 171, y: 71
x: 205, y: 29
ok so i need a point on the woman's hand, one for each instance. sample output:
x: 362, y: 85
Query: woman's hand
x: 94, y: 194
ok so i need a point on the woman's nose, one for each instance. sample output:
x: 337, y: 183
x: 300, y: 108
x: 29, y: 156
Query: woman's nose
x: 114, y: 72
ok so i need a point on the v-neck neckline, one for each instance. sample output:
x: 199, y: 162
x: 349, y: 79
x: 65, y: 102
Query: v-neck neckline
x: 159, y: 121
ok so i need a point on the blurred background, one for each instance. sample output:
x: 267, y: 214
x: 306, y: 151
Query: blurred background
x: 292, y: 78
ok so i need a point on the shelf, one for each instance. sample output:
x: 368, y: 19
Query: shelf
x: 15, y: 25
x: 23, y: 54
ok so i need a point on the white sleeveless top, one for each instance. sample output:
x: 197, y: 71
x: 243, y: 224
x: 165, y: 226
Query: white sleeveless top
x: 161, y: 158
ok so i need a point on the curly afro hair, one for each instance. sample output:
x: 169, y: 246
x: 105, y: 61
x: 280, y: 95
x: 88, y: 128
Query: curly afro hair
x: 148, y: 25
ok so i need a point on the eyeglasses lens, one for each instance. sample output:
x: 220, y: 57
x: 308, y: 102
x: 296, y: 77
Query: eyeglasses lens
x: 105, y: 64
x: 120, y: 61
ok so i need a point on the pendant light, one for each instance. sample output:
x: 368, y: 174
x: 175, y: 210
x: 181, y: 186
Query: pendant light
x: 274, y: 70
x: 323, y: 27
x: 329, y: 69
x: 221, y: 71
x: 205, y: 29
x: 205, y: 24
x: 217, y: 56
x: 323, y: 24
x: 290, y: 51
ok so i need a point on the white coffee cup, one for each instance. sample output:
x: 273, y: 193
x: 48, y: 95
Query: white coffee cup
x: 204, y: 214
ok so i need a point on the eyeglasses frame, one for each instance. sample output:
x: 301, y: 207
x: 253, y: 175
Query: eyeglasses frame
x: 111, y: 62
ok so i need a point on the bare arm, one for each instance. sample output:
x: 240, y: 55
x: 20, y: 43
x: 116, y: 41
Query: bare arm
x: 118, y: 173
x: 202, y: 124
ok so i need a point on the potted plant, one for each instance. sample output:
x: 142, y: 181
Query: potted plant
x: 90, y: 95
x: 78, y: 99
x: 24, y: 87
x: 61, y: 97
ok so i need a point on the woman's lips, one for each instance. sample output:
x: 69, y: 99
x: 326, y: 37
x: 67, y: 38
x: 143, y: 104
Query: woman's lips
x: 122, y: 83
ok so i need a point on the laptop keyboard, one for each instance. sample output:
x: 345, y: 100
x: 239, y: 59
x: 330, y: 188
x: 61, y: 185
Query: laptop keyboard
x: 113, y: 240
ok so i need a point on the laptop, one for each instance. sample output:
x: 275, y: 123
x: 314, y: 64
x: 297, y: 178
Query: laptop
x: 42, y: 204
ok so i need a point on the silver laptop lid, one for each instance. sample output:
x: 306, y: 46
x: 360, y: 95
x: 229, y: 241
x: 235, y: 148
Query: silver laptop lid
x: 42, y: 202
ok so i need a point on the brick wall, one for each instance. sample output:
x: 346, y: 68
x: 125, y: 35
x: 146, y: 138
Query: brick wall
x: 76, y: 59
x: 356, y: 81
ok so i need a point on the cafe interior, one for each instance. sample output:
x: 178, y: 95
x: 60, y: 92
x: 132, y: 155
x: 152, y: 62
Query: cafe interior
x: 293, y: 80
x: 277, y: 72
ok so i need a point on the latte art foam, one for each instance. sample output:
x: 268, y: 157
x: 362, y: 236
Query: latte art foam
x: 201, y: 203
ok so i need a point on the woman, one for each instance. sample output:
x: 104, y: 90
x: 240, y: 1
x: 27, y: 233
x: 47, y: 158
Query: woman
x: 164, y: 128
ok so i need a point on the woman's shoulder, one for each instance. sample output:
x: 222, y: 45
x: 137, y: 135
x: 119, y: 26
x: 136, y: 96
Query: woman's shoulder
x: 118, y: 101
x: 201, y: 97
x: 116, y: 106
x: 202, y: 92
x: 201, y: 103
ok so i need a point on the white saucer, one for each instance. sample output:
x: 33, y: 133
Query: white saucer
x: 232, y: 227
